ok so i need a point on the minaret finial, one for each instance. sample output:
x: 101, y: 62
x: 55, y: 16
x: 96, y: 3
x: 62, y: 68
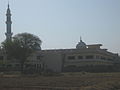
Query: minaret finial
x: 8, y: 3
x: 80, y: 38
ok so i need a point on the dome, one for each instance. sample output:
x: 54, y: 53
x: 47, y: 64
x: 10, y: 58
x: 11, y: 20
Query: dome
x: 80, y: 44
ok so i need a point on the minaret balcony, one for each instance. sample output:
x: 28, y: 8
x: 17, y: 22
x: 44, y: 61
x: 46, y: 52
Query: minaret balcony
x: 8, y: 22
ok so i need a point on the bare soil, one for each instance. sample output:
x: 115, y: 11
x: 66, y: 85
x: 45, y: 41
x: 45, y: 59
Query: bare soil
x: 67, y: 81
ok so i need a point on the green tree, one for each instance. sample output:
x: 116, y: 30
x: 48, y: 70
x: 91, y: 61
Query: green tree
x: 21, y: 47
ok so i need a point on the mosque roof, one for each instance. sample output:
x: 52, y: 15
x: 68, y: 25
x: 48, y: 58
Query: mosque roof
x: 81, y: 44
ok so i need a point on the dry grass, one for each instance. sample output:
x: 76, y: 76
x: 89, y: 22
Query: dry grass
x: 69, y: 81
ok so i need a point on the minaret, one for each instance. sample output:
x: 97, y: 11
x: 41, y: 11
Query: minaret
x: 8, y: 24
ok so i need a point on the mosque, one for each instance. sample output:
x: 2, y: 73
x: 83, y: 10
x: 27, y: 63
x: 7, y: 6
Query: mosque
x: 59, y: 60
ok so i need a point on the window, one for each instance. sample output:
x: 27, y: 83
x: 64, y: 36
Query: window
x: 38, y: 57
x: 17, y: 65
x: 71, y: 57
x: 1, y: 57
x: 8, y: 58
x: 110, y: 59
x: 89, y: 57
x: 103, y: 58
x: 80, y: 57
x: 38, y: 66
x: 97, y: 57
x: 9, y: 65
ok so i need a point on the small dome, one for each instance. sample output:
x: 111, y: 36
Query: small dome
x: 80, y: 44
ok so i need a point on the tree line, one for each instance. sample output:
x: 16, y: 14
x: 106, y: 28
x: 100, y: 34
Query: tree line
x: 20, y: 47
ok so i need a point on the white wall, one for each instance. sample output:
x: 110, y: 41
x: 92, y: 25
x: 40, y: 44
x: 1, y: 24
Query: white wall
x: 53, y: 61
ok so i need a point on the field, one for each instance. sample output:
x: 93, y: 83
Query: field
x: 66, y: 81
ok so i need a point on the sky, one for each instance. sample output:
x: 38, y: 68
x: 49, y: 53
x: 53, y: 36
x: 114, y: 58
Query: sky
x: 60, y: 23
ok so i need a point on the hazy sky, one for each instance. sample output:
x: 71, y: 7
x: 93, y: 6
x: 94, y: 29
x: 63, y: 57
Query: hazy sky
x: 60, y: 23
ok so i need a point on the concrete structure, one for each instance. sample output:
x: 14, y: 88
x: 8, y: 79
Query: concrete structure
x: 59, y: 59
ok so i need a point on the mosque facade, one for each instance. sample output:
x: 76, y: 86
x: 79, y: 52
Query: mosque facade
x: 81, y: 56
x: 59, y: 60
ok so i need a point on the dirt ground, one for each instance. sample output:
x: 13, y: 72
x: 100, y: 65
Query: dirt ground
x: 66, y: 81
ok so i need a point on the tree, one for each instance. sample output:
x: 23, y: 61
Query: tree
x: 21, y: 47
